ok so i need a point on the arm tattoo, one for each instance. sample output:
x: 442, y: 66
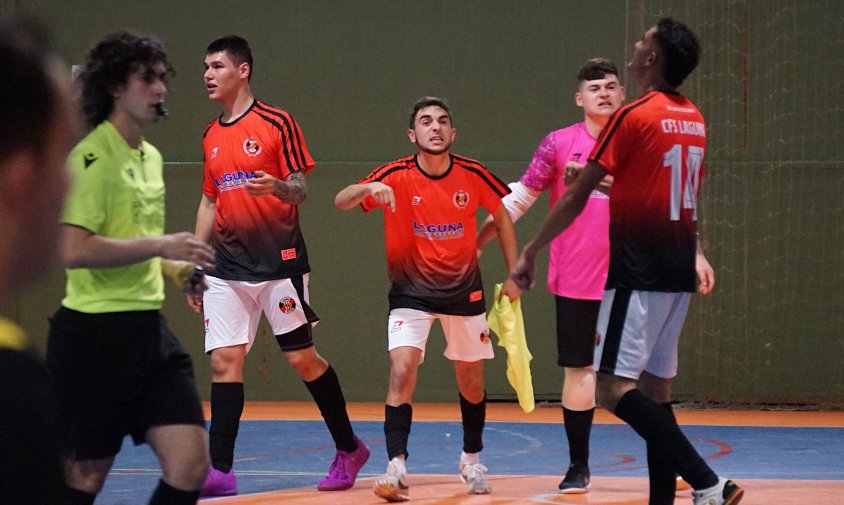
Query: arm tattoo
x: 293, y: 190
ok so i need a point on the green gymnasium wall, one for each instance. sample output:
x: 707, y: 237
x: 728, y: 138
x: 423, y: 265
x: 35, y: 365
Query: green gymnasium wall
x: 348, y: 71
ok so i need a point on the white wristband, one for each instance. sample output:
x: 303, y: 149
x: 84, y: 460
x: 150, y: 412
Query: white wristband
x: 519, y: 201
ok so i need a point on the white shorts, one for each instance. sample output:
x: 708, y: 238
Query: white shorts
x: 233, y: 309
x: 639, y: 331
x: 467, y: 337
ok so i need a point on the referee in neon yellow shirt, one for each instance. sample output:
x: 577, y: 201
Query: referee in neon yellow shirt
x: 119, y: 370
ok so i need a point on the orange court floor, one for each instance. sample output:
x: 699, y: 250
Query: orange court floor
x: 514, y: 489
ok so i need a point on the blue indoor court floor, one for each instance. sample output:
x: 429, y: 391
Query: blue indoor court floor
x: 284, y: 449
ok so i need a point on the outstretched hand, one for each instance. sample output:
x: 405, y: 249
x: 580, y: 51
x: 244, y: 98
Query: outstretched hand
x: 185, y: 246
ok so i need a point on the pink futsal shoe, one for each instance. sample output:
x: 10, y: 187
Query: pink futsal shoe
x: 344, y: 469
x: 219, y: 483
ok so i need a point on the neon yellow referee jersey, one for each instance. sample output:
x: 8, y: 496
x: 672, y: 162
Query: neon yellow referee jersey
x: 117, y: 192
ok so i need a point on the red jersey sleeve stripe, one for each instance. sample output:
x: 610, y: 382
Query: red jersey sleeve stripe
x: 497, y: 185
x: 381, y: 173
x: 378, y: 173
x: 291, y: 129
x: 612, y: 127
x: 294, y: 163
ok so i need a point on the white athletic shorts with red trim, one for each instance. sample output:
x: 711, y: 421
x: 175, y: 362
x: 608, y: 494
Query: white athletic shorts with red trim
x: 467, y: 337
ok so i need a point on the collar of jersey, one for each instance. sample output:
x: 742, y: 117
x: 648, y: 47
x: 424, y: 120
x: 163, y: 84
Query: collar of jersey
x: 433, y: 177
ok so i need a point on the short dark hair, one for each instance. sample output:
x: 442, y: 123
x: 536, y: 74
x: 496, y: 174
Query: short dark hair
x: 680, y: 50
x: 236, y: 47
x: 108, y: 66
x: 28, y: 93
x: 427, y: 101
x: 596, y: 68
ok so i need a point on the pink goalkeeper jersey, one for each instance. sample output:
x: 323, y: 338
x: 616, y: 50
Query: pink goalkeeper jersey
x: 580, y: 256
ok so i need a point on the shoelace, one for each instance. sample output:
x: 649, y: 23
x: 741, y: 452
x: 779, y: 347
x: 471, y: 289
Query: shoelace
x: 474, y: 471
x: 393, y: 470
x: 338, y: 469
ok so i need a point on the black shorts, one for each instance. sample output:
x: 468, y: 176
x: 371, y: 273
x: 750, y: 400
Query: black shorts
x: 576, y: 323
x: 31, y: 469
x: 118, y: 373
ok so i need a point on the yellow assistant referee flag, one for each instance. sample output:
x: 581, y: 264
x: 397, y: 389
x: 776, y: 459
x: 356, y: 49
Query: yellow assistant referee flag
x: 505, y: 319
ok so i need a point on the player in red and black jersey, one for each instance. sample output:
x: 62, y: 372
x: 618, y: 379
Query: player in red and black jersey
x: 654, y: 149
x: 429, y: 201
x: 255, y: 165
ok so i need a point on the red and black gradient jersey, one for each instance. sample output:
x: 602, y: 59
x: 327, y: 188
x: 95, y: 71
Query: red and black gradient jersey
x: 432, y: 254
x: 255, y: 239
x: 654, y: 148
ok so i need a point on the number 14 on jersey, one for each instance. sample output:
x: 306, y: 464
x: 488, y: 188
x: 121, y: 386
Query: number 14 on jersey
x: 683, y: 193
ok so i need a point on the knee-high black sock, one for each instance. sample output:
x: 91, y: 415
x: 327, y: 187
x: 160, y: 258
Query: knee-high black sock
x: 661, y: 471
x: 166, y: 494
x: 328, y: 396
x: 578, y: 424
x: 474, y: 418
x: 226, y: 409
x: 74, y: 496
x: 397, y: 429
x: 660, y: 430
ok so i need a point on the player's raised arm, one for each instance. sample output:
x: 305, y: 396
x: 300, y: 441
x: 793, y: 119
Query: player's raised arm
x: 353, y: 194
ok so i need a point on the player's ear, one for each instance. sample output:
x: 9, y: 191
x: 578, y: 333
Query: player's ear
x: 578, y: 99
x: 245, y: 70
x: 623, y: 96
x: 411, y: 135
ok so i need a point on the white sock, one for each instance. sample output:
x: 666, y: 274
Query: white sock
x: 469, y: 458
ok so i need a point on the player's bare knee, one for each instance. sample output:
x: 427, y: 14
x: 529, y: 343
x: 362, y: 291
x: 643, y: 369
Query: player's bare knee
x: 579, y: 389
x: 88, y: 476
x: 187, y: 471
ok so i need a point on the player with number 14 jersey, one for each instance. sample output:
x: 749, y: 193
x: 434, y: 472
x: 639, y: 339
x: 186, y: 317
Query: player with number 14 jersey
x: 653, y: 208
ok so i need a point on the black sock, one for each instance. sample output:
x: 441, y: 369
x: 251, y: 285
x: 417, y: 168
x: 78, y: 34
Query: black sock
x: 660, y: 430
x: 661, y: 471
x: 74, y: 496
x: 328, y: 396
x: 166, y: 494
x: 474, y: 418
x: 578, y: 425
x: 397, y: 428
x: 226, y: 409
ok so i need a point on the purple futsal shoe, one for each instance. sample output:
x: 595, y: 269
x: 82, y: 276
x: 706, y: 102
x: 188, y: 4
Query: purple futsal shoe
x: 344, y: 469
x: 219, y: 483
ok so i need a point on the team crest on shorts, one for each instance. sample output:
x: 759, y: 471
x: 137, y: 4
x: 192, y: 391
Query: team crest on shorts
x: 251, y: 147
x: 485, y: 336
x: 396, y: 326
x: 287, y: 305
x: 460, y: 199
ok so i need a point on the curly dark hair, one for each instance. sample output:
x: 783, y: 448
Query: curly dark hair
x: 28, y: 94
x: 427, y: 101
x: 108, y: 66
x: 680, y: 49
